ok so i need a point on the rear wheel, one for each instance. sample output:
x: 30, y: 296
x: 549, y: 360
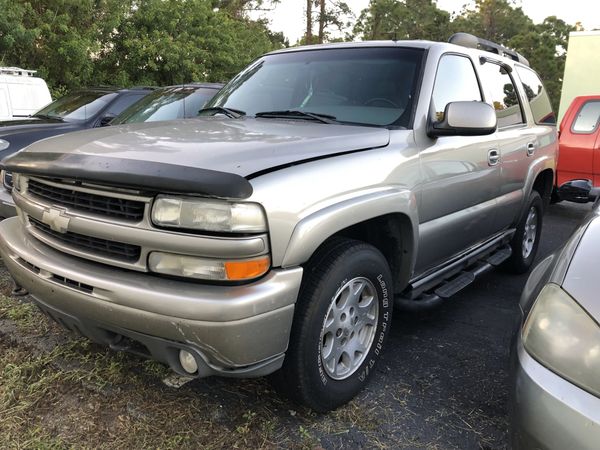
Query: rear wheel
x: 342, y: 319
x: 526, y: 240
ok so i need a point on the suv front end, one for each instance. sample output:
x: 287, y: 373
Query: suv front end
x: 198, y: 292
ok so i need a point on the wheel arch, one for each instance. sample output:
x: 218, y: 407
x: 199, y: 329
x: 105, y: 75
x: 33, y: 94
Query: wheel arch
x: 387, y: 220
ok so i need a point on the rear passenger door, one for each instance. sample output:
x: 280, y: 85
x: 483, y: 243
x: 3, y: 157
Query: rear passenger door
x: 459, y: 183
x: 516, y: 142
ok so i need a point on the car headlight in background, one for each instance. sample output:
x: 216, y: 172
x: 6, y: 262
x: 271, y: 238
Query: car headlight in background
x: 562, y: 336
x: 4, y: 144
x: 208, y: 215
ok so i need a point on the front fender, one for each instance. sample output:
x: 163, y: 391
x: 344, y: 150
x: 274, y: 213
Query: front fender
x: 318, y: 226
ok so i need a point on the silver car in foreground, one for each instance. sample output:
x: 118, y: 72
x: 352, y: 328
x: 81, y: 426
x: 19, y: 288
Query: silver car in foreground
x: 556, y: 351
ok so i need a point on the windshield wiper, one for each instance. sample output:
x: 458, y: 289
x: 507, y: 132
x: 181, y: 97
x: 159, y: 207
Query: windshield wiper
x: 291, y: 113
x: 229, y: 112
x: 46, y: 116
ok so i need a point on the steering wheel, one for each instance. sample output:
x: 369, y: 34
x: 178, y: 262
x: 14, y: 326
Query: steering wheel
x: 381, y: 100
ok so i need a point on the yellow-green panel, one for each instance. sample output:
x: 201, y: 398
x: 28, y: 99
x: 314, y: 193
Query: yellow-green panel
x: 582, y: 69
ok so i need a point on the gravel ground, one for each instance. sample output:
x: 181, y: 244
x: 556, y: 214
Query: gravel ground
x: 442, y: 384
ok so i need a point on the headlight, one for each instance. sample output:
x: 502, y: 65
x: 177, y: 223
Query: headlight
x: 208, y: 269
x: 4, y: 144
x: 208, y: 215
x: 562, y: 336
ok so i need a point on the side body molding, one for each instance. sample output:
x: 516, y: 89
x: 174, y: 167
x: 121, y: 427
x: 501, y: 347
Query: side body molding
x: 316, y: 227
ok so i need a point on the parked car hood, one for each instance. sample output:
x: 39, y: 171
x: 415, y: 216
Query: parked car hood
x: 21, y: 133
x: 240, y: 146
x: 33, y: 123
x: 208, y: 156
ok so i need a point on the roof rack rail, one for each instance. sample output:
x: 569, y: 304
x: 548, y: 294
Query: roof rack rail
x: 471, y: 41
x: 17, y: 71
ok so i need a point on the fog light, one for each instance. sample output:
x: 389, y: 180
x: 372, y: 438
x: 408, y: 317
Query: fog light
x: 188, y: 362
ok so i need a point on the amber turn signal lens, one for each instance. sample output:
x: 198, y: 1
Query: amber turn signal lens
x: 246, y: 270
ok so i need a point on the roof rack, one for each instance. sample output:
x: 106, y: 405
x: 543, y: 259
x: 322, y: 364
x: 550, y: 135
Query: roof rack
x: 17, y: 71
x: 471, y: 41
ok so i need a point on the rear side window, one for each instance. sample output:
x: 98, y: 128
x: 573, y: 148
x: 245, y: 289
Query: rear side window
x: 455, y: 81
x: 503, y: 94
x: 537, y: 97
x: 587, y: 118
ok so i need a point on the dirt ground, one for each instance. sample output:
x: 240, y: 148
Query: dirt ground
x: 443, y: 383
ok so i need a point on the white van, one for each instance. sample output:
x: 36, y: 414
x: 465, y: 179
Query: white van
x: 21, y: 93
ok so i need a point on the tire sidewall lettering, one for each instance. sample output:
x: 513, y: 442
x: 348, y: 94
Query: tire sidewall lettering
x: 376, y: 347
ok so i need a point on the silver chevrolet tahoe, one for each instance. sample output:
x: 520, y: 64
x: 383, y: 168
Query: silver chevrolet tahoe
x: 322, y: 186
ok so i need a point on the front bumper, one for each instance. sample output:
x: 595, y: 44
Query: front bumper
x: 548, y: 411
x: 231, y: 329
x: 7, y: 205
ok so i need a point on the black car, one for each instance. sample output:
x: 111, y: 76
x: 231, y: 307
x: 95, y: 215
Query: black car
x: 172, y: 102
x: 80, y: 110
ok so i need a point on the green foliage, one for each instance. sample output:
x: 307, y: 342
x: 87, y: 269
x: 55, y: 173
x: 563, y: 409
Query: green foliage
x: 74, y: 43
x: 408, y: 19
x: 544, y: 45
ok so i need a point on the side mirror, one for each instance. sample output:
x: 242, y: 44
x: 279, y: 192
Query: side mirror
x: 106, y: 120
x: 578, y: 191
x: 464, y: 119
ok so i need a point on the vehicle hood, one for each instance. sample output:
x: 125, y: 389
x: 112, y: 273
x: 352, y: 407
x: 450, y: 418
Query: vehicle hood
x: 21, y: 125
x: 21, y: 133
x: 581, y: 280
x: 244, y: 147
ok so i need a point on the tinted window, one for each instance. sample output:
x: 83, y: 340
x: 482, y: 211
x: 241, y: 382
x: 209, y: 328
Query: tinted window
x: 123, y: 102
x: 77, y: 106
x: 371, y: 86
x: 455, y: 81
x: 537, y: 97
x: 503, y: 94
x: 587, y: 118
x: 167, y: 104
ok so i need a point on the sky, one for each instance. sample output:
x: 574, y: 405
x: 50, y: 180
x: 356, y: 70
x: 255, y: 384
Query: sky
x: 287, y: 16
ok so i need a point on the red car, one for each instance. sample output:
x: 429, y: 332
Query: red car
x: 578, y: 172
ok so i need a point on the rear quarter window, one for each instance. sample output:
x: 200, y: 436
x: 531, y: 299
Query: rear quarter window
x: 537, y: 97
x: 587, y: 118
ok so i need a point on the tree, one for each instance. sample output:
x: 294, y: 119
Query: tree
x: 545, y: 46
x: 309, y: 21
x: 176, y: 41
x: 59, y: 38
x: 403, y: 19
x: 495, y: 20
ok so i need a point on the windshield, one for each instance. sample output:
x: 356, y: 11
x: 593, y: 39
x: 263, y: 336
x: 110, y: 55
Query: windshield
x: 77, y: 106
x: 167, y: 104
x: 370, y: 86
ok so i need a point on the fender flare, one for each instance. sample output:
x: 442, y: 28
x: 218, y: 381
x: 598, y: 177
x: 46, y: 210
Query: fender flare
x: 317, y: 227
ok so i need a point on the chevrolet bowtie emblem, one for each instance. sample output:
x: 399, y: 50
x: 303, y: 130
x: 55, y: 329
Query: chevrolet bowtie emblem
x: 56, y: 221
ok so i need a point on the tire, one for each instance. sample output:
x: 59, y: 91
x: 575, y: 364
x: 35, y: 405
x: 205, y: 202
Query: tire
x: 327, y: 315
x: 526, y: 240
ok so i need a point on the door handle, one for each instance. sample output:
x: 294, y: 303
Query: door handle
x: 530, y: 149
x: 493, y: 157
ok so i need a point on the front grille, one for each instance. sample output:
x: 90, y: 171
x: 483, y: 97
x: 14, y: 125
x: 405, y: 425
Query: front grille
x: 101, y: 247
x: 132, y: 210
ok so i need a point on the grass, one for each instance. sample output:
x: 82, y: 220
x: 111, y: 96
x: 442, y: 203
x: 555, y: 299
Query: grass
x: 58, y: 391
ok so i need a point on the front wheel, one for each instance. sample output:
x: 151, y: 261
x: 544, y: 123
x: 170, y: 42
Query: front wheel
x: 342, y: 319
x: 526, y: 240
